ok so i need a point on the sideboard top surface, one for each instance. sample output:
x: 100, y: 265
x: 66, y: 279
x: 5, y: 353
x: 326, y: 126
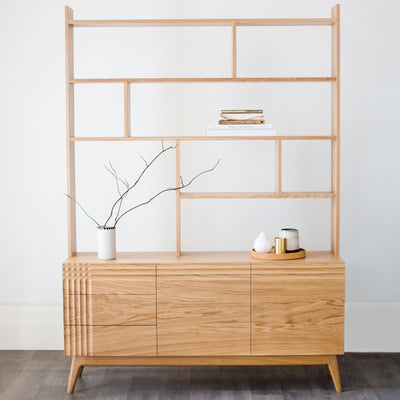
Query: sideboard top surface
x: 313, y: 258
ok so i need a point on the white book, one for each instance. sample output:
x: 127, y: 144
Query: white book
x: 241, y: 116
x: 240, y: 130
x: 240, y: 126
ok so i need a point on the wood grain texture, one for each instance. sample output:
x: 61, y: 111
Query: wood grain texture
x: 109, y: 340
x: 203, y: 310
x: 224, y: 259
x: 110, y: 309
x: 333, y: 369
x: 204, y: 22
x: 70, y: 131
x: 335, y: 130
x: 197, y: 80
x: 197, y: 138
x: 73, y: 374
x: 104, y: 278
x: 297, y: 312
x: 123, y: 310
x: 234, y: 57
x: 124, y: 341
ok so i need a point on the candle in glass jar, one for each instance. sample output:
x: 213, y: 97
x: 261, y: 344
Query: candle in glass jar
x: 292, y: 238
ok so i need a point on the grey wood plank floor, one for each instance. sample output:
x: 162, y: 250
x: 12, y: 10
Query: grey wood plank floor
x: 43, y: 375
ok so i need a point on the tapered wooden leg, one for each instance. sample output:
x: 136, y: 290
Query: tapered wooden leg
x: 80, y: 370
x: 333, y: 368
x: 76, y: 366
x: 327, y: 370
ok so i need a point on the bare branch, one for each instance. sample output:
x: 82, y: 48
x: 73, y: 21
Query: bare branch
x: 144, y: 160
x: 181, y: 180
x: 167, y: 190
x: 137, y: 180
x: 70, y: 197
x: 113, y: 172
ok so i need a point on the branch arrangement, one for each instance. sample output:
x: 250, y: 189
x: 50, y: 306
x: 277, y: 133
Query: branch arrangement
x: 124, y: 188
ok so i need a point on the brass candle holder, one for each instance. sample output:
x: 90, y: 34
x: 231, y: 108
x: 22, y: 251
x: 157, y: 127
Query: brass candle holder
x: 280, y: 245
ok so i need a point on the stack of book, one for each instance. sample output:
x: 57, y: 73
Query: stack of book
x: 241, y: 123
x: 241, y: 117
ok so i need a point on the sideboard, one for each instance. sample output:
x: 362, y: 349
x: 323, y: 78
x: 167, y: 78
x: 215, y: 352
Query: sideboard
x: 157, y: 309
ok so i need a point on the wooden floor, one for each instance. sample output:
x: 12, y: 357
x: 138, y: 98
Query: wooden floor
x: 43, y: 375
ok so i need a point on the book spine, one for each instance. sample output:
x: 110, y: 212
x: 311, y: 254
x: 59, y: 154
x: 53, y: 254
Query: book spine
x: 242, y: 111
x: 241, y: 121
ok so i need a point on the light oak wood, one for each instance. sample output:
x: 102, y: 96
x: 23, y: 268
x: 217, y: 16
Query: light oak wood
x: 114, y: 340
x: 70, y: 131
x: 204, y: 360
x: 335, y: 124
x: 110, y: 309
x: 257, y: 195
x: 203, y: 310
x: 127, y: 109
x: 123, y: 309
x: 204, y: 22
x: 214, y: 308
x: 76, y: 365
x: 297, y: 312
x: 234, y: 58
x: 301, y: 253
x: 333, y: 369
x: 196, y: 138
x: 105, y: 279
x: 278, y: 167
x: 226, y: 261
x: 124, y: 341
x: 177, y: 196
x: 188, y: 80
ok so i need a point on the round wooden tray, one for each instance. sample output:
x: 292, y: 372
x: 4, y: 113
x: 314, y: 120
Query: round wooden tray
x: 301, y: 253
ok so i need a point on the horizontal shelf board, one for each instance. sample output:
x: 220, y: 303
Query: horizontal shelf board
x: 314, y: 259
x: 257, y: 195
x: 195, y: 138
x: 194, y: 80
x: 203, y: 22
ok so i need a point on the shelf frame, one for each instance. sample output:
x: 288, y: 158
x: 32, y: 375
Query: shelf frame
x: 334, y: 137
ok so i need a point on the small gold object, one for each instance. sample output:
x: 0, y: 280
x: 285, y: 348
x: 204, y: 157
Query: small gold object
x: 280, y: 245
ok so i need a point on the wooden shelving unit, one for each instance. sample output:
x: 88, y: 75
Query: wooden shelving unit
x: 208, y: 308
x: 334, y: 137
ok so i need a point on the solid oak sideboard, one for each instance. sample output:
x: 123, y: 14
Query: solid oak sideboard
x: 157, y: 309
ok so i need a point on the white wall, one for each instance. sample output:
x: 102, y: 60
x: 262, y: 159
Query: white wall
x: 32, y: 134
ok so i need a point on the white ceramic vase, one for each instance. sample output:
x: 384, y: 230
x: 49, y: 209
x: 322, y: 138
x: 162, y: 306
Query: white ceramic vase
x: 292, y: 238
x: 106, y: 243
x: 263, y: 244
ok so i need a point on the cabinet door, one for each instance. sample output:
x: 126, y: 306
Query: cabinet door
x: 297, y: 311
x: 203, y: 310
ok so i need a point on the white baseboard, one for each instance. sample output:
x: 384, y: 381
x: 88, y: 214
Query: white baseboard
x: 370, y: 327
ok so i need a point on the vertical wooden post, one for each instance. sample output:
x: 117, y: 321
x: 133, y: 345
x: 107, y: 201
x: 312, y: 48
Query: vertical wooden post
x: 69, y: 97
x: 278, y: 166
x: 127, y: 109
x: 234, y: 58
x: 178, y: 197
x: 335, y: 127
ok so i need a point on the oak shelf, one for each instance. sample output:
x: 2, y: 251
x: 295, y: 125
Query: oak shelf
x: 194, y: 138
x: 256, y: 195
x: 194, y: 80
x: 202, y: 22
